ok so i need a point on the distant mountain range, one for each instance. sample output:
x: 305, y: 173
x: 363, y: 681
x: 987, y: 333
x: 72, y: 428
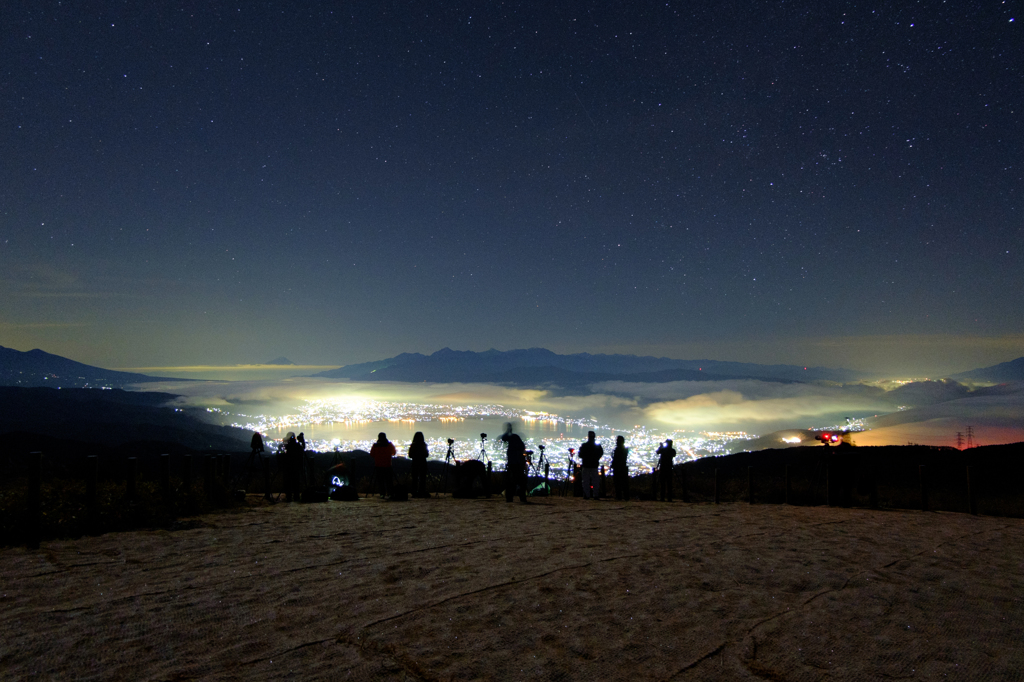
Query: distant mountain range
x: 537, y: 366
x: 39, y: 368
x: 1001, y: 373
x: 526, y: 367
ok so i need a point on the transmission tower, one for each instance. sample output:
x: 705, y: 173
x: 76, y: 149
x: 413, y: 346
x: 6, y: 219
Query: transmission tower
x: 970, y: 437
x: 959, y: 440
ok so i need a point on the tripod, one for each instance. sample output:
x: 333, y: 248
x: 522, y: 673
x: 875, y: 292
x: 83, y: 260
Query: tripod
x: 570, y: 468
x: 536, y: 466
x: 542, y: 468
x: 447, y: 458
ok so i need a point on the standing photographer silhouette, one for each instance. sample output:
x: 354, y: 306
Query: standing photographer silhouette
x: 666, y: 454
x: 590, y: 456
x: 382, y: 451
x: 515, y: 466
x: 620, y: 469
x: 418, y: 453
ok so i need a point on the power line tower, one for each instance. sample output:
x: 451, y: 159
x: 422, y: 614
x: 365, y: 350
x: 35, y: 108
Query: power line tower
x: 959, y: 440
x: 970, y: 437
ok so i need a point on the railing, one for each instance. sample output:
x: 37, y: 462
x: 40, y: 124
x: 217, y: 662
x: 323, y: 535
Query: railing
x: 193, y: 484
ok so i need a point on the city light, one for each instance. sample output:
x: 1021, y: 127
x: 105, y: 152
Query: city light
x: 641, y: 441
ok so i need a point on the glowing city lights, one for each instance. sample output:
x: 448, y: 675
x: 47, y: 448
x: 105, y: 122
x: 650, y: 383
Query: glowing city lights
x: 641, y: 441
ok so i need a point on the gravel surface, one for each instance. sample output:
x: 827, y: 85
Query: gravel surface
x: 560, y: 589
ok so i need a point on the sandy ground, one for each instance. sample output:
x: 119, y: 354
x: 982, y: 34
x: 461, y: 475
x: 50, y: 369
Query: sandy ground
x: 563, y: 589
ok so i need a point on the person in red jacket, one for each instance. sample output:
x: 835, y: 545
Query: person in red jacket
x: 382, y: 452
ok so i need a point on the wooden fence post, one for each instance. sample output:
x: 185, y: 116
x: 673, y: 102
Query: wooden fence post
x: 218, y: 476
x: 266, y: 479
x: 227, y: 472
x: 129, y: 479
x: 35, y: 484
x: 165, y: 476
x: 716, y: 486
x: 874, y: 486
x: 208, y: 473
x: 91, y: 467
x: 924, y: 487
x: 970, y: 494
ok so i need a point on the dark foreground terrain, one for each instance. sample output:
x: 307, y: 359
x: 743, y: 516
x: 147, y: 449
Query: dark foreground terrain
x: 562, y: 589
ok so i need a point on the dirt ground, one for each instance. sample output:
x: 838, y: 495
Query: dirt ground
x: 561, y: 589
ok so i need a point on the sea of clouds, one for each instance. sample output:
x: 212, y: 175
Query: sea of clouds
x: 927, y: 412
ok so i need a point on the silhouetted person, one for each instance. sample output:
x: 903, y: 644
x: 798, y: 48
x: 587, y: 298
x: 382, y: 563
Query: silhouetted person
x: 382, y: 452
x: 418, y: 453
x: 256, y: 443
x: 620, y: 469
x: 590, y: 459
x: 302, y: 441
x: 515, y: 466
x: 292, y: 467
x: 666, y: 454
x: 466, y: 474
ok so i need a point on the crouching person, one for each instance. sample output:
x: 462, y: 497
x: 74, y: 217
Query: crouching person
x: 382, y: 451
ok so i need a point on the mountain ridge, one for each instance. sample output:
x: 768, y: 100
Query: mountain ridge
x: 532, y: 366
x: 37, y: 368
x: 1001, y: 373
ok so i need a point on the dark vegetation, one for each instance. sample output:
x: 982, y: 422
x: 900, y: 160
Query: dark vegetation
x: 112, y: 417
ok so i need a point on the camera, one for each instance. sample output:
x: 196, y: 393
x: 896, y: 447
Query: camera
x: 450, y: 441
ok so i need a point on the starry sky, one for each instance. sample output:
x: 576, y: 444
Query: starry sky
x: 831, y: 183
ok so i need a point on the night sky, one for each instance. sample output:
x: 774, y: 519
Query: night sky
x: 817, y: 183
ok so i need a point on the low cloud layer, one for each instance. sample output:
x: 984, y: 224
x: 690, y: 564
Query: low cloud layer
x: 748, y: 405
x: 927, y: 412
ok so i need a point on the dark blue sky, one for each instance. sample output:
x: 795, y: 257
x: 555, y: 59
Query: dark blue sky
x: 800, y: 181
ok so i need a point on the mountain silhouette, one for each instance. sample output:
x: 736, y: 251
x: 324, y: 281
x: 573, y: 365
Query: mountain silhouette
x: 1001, y: 373
x: 39, y: 368
x: 538, y: 366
